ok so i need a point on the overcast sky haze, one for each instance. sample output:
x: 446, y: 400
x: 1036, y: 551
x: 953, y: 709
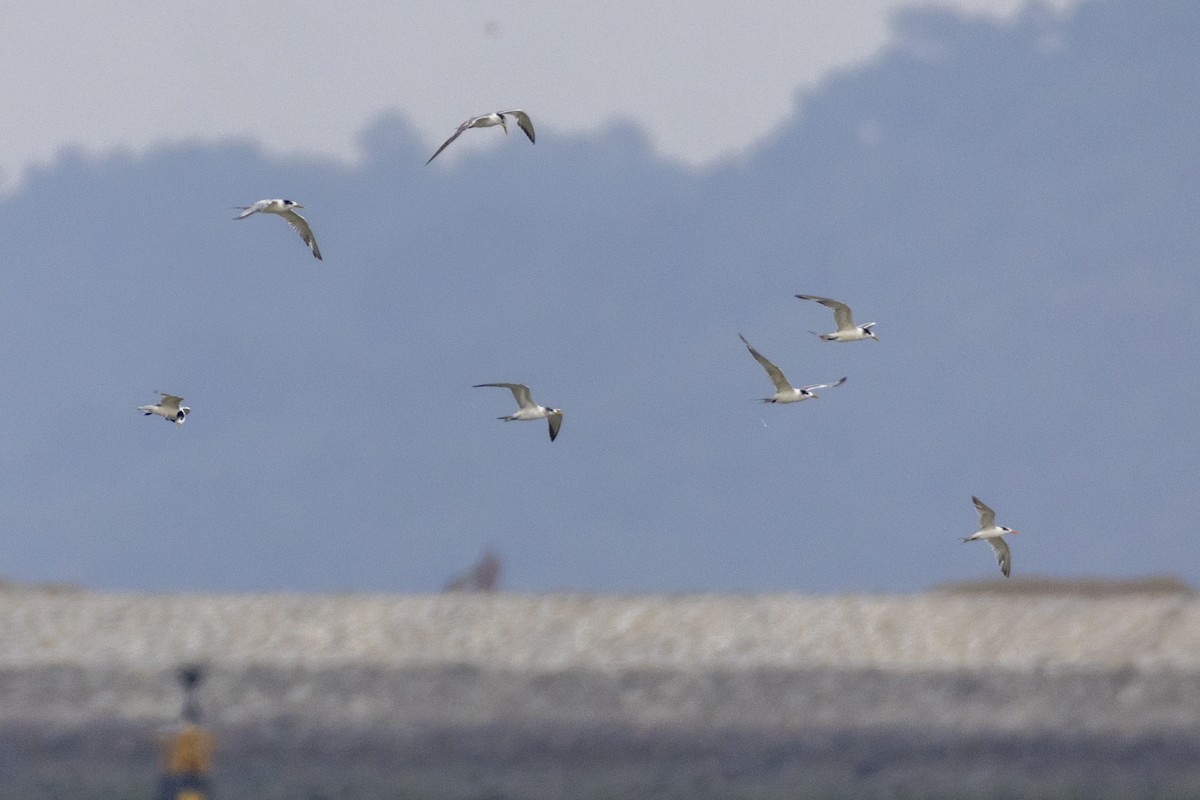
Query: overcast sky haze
x: 704, y: 79
x: 1012, y: 199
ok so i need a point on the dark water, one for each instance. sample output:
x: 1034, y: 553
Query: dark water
x: 276, y: 762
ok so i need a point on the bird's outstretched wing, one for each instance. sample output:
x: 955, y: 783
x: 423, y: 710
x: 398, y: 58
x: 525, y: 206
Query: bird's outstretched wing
x: 1003, y: 554
x: 300, y: 225
x: 453, y: 136
x: 170, y: 400
x: 833, y: 385
x: 555, y: 421
x: 773, y: 372
x: 523, y: 122
x: 841, y: 312
x: 520, y: 392
x: 987, y: 517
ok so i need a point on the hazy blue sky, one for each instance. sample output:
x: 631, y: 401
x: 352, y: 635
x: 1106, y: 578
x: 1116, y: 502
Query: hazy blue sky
x: 703, y: 78
x: 1013, y: 202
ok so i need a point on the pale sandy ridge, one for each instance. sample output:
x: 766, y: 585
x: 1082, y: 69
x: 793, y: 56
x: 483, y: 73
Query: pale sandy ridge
x: 550, y: 633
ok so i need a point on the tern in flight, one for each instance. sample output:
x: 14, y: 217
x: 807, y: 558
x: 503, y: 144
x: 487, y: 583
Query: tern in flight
x: 847, y: 331
x: 993, y: 534
x: 168, y: 408
x: 285, y: 209
x: 527, y: 409
x: 487, y: 121
x: 784, y: 391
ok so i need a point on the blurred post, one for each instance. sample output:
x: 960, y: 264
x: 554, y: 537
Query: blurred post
x: 187, y: 751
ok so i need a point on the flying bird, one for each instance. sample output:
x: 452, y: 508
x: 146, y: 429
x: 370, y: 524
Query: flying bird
x: 526, y: 408
x: 168, y: 408
x: 847, y: 331
x: 993, y: 534
x: 285, y: 209
x: 488, y: 121
x: 784, y: 391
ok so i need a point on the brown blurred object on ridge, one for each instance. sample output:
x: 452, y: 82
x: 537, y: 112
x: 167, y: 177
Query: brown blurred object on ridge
x: 483, y: 577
